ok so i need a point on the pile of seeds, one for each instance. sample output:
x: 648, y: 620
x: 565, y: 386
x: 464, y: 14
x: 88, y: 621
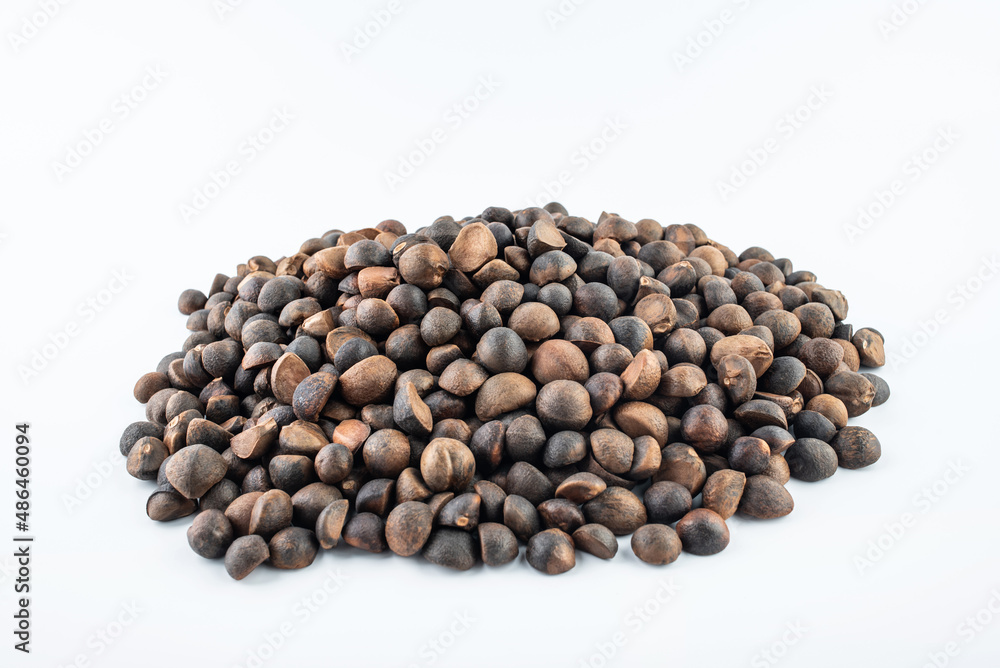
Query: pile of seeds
x: 514, y: 377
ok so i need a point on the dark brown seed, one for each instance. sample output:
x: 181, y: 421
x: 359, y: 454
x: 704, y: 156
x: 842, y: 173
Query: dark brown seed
x: 292, y: 548
x: 749, y: 455
x: 737, y: 377
x: 310, y: 501
x: 561, y: 514
x: 521, y: 517
x: 580, y: 487
x: 551, y: 551
x: 704, y: 427
x: 666, y: 502
x: 497, y: 544
x: 618, y: 509
x: 758, y: 413
x: 871, y: 347
x: 503, y: 393
x: 451, y: 548
x: 563, y: 405
x: 145, y: 458
x: 370, y: 381
x: 753, y: 349
x: 195, y: 469
x: 764, y: 498
x: 424, y: 266
x: 487, y: 445
x: 461, y: 378
x: 462, y: 512
x: 605, y: 389
x: 330, y: 523
x: 365, y: 531
x: 165, y: 505
x: 386, y: 453
x: 222, y: 494
x: 856, y: 391
x: 684, y: 380
x: 656, y: 544
x: 811, y: 460
x: 703, y: 532
x: 526, y: 481
x: 148, y: 385
x: 612, y: 449
x: 291, y: 473
x: 777, y: 468
x: 271, y: 513
x: 856, y: 447
x: 534, y: 321
x: 245, y: 554
x: 723, y: 491
x: 211, y: 534
x: 333, y: 463
x: 254, y: 442
x: 817, y: 320
x: 376, y: 496
x: 832, y: 408
x: 596, y: 539
x: 681, y: 464
x: 312, y: 394
x: 238, y: 512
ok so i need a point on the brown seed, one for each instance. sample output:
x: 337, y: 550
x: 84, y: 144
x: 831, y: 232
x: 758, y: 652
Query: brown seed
x: 497, y: 544
x: 730, y: 319
x: 749, y: 455
x: 286, y: 374
x: 558, y: 359
x: 753, y: 349
x: 822, y: 356
x: 526, y: 481
x: 871, y: 347
x: 447, y: 464
x: 832, y: 408
x: 211, y: 534
x: 596, y: 539
x: 301, y: 438
x: 254, y: 442
x: 365, y: 531
x: 245, y: 554
x: 370, y: 381
x: 758, y: 413
x: 703, y: 532
x: 681, y: 464
x: 333, y: 463
x: 737, y: 377
x: 704, y: 427
x: 656, y: 544
x: 666, y: 502
x: 474, y: 246
x: 462, y: 512
x: 612, y: 449
x: 637, y: 418
x: 239, y: 511
x: 292, y: 548
x: 618, y: 509
x: 642, y: 376
x: 723, y: 491
x: 271, y: 513
x: 605, y: 390
x: 451, y: 548
x: 194, y: 470
x: 424, y: 266
x: 462, y: 377
x: 386, y: 453
x: 521, y: 517
x: 856, y: 447
x: 148, y: 385
x: 330, y: 523
x: 777, y: 469
x: 165, y: 505
x: 551, y: 551
x: 658, y: 312
x: 683, y: 380
x: 764, y: 498
x: 503, y: 393
x: 291, y: 473
x: 408, y: 527
x: 561, y: 514
x: 817, y: 320
x: 534, y: 321
x: 580, y: 487
x: 312, y: 394
x: 854, y: 390
x: 646, y: 460
x: 145, y: 458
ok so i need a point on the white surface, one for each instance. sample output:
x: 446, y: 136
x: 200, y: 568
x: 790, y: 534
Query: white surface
x: 683, y: 132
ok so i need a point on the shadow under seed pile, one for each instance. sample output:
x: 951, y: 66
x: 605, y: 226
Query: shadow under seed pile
x: 516, y: 377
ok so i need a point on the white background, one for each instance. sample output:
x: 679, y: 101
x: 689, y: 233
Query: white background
x: 684, y: 128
